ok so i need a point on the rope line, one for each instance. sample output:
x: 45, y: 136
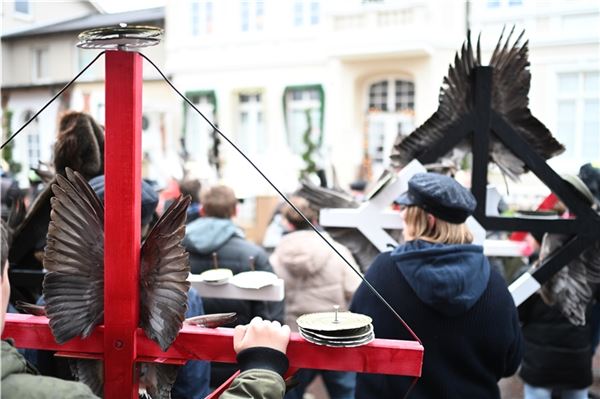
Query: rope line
x: 284, y: 197
x: 51, y: 100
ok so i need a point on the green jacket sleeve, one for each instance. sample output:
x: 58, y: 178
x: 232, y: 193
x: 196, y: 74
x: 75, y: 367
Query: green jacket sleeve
x: 20, y: 380
x: 28, y: 386
x: 256, y: 384
x: 261, y: 377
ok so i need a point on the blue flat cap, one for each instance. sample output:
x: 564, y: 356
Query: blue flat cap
x: 440, y: 195
x: 149, y: 197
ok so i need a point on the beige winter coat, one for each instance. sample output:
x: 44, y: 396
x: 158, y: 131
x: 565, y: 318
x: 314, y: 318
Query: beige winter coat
x: 316, y: 278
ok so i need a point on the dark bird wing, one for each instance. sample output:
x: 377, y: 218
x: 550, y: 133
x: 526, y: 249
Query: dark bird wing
x: 571, y: 288
x: 163, y: 276
x: 158, y: 379
x: 212, y: 320
x: 455, y: 100
x: 361, y: 248
x: 321, y: 197
x: 511, y: 82
x: 510, y: 88
x: 74, y: 255
x: 90, y: 372
x: 30, y: 308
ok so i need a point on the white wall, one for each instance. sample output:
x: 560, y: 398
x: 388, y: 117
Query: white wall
x: 354, y: 43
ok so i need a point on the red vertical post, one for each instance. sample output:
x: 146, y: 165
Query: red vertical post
x: 122, y: 221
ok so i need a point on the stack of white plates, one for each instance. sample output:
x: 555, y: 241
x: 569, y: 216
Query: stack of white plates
x: 338, y: 329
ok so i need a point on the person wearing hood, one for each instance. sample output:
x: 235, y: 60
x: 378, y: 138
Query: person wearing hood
x: 315, y: 279
x: 444, y: 288
x: 215, y: 236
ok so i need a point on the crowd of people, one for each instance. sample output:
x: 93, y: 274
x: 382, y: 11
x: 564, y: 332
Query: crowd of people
x: 439, y: 282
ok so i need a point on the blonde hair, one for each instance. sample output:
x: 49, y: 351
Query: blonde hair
x: 417, y: 226
x: 218, y: 202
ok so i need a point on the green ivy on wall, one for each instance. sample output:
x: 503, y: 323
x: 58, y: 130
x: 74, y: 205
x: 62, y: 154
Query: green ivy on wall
x: 308, y: 154
x: 7, y: 152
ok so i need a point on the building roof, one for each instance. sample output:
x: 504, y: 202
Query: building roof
x: 91, y: 21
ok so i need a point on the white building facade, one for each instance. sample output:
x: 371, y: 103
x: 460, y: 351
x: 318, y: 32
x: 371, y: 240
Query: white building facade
x: 359, y: 71
x: 564, y: 48
x: 363, y: 71
x: 40, y: 59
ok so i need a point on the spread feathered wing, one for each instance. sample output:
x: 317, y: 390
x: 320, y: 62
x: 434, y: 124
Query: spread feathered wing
x: 361, y: 248
x: 571, y: 289
x: 90, y: 372
x: 163, y: 276
x: 455, y: 101
x: 510, y: 88
x: 74, y: 257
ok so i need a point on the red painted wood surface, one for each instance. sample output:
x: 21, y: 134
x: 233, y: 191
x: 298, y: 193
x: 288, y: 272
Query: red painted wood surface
x: 381, y: 356
x: 122, y: 221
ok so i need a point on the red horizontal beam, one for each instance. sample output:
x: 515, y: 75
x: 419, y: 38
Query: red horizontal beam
x: 382, y: 356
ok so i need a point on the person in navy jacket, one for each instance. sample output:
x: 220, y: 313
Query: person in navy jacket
x: 444, y: 288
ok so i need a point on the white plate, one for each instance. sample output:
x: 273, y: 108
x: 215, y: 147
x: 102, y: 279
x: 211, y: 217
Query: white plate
x: 253, y: 280
x: 216, y: 276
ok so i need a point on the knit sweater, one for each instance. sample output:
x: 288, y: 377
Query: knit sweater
x: 459, y: 308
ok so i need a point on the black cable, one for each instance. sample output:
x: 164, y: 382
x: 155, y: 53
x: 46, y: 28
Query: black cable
x: 285, y: 199
x: 51, y: 101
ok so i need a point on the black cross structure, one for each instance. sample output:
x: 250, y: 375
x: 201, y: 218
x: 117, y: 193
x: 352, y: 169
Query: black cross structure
x: 480, y: 123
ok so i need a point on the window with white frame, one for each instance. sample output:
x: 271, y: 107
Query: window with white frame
x: 197, y: 131
x: 251, y: 129
x: 306, y: 12
x: 390, y: 112
x: 394, y: 95
x: 22, y: 7
x: 84, y: 57
x: 303, y: 108
x: 33, y: 141
x: 578, y: 115
x: 252, y: 13
x: 201, y: 17
x: 378, y: 96
x: 40, y: 64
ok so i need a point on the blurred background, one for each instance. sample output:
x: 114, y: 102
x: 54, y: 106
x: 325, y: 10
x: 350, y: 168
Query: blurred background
x: 346, y: 76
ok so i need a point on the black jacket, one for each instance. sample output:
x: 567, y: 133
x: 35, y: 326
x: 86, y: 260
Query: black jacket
x: 459, y: 308
x: 557, y: 354
x: 207, y: 235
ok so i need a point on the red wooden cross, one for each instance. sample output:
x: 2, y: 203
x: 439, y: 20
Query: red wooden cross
x: 119, y: 342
